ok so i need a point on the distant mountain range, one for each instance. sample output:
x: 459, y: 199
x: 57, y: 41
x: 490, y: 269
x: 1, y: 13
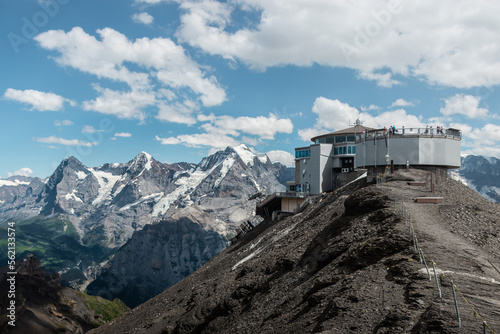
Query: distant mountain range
x: 481, y: 174
x: 75, y: 220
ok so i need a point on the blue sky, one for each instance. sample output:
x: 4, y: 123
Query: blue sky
x: 105, y: 80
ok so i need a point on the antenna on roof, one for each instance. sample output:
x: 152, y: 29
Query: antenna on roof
x: 358, y: 120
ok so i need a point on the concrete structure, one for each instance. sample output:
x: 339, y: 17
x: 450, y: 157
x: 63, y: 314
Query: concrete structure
x: 336, y: 158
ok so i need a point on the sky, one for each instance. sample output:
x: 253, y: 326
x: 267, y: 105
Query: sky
x: 180, y: 79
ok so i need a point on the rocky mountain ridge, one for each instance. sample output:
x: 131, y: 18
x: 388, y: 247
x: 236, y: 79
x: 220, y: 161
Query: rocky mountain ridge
x: 86, y: 213
x: 481, y: 174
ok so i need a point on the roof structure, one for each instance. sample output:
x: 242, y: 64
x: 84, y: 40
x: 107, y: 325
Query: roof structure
x: 351, y: 130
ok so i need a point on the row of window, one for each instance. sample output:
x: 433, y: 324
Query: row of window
x: 303, y: 154
x: 336, y: 151
x: 344, y: 150
x: 335, y: 139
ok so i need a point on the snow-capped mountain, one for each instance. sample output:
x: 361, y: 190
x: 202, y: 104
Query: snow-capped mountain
x: 481, y: 174
x: 92, y: 211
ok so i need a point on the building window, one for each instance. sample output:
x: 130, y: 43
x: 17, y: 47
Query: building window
x: 302, y: 154
x: 351, y: 138
x: 354, y: 150
x: 340, y: 139
x: 330, y: 140
x: 292, y: 187
x: 344, y: 150
x: 349, y: 150
x: 335, y: 151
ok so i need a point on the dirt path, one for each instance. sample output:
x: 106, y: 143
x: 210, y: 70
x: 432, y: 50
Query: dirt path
x: 457, y: 242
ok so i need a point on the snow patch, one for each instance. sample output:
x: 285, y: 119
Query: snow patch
x: 72, y: 196
x: 12, y: 183
x: 245, y: 259
x: 245, y: 154
x: 263, y: 158
x: 81, y: 175
x: 185, y: 186
x: 226, y: 165
x: 141, y: 200
x: 106, y: 183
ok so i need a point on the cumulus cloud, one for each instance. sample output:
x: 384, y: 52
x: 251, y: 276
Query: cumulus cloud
x: 223, y: 131
x: 461, y: 104
x: 262, y: 126
x: 126, y: 105
x: 402, y: 103
x: 66, y: 142
x: 286, y: 158
x: 123, y: 134
x: 22, y: 172
x: 38, y: 100
x: 379, y: 39
x: 88, y: 129
x: 200, y: 140
x: 143, y: 18
x: 111, y: 56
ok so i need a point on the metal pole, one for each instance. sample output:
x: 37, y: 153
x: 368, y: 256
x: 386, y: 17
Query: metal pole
x: 437, y: 280
x: 427, y: 267
x: 456, y: 305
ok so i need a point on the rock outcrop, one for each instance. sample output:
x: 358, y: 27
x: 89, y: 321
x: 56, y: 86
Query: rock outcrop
x: 43, y: 306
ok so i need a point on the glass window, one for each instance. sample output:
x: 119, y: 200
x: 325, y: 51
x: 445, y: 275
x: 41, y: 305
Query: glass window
x: 354, y: 150
x: 296, y: 154
x: 351, y: 138
x: 316, y: 141
x: 330, y: 140
x: 344, y: 150
x: 349, y: 149
x: 340, y: 139
x: 322, y: 140
x: 336, y: 151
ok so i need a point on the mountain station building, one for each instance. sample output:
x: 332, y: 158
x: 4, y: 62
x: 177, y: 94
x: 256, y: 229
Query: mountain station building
x: 337, y: 158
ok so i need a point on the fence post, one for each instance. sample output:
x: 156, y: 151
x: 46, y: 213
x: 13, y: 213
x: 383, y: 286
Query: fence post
x: 437, y: 280
x: 456, y: 305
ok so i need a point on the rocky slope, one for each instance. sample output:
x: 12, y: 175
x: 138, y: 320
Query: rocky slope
x: 345, y: 265
x: 156, y: 258
x: 44, y: 306
x: 74, y: 220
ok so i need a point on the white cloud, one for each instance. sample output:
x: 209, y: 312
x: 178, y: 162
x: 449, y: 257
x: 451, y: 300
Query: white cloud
x: 38, y: 100
x: 88, y: 129
x: 177, y: 113
x: 67, y: 142
x: 123, y: 134
x: 65, y: 122
x: 382, y: 79
x: 402, y: 103
x: 262, y: 126
x: 286, y: 158
x: 200, y: 140
x: 143, y: 18
x: 22, y: 172
x: 371, y: 107
x: 334, y: 115
x: 423, y: 39
x: 110, y: 57
x: 126, y: 105
x: 461, y: 104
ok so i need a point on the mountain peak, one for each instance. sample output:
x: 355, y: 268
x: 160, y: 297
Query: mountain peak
x: 245, y: 154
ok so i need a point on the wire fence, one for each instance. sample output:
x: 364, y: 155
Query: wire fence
x: 424, y: 259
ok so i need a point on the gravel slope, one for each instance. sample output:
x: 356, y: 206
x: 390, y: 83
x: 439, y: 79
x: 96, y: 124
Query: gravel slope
x: 344, y: 265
